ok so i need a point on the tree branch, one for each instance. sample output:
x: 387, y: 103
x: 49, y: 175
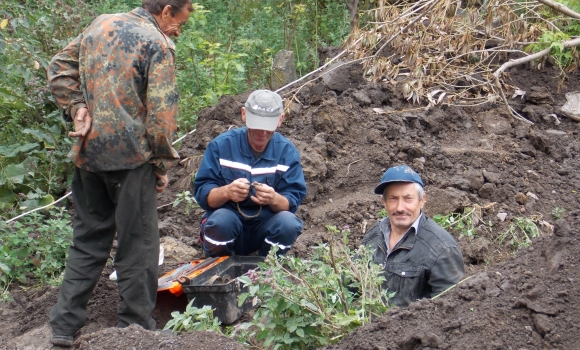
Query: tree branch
x: 561, y: 8
x: 511, y: 63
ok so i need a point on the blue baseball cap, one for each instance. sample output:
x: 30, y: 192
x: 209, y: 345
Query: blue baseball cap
x: 400, y: 173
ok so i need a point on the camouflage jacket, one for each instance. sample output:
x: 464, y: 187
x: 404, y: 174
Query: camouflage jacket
x: 122, y: 68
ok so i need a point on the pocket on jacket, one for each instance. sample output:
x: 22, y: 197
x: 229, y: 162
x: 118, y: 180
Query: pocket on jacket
x: 231, y: 174
x: 407, y: 280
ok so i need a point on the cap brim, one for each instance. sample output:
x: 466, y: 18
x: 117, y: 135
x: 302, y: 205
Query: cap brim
x: 380, y: 189
x: 261, y: 123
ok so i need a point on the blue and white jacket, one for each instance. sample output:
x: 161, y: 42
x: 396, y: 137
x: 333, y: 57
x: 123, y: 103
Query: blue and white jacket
x: 229, y: 157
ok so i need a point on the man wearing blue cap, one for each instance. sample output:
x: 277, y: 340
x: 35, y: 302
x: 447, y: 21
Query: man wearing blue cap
x: 250, y: 182
x: 420, y: 259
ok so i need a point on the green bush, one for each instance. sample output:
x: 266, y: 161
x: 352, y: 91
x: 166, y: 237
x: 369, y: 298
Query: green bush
x: 520, y: 232
x: 307, y: 304
x: 226, y: 48
x: 34, y: 247
x: 33, y: 163
x: 193, y: 319
x: 556, y: 29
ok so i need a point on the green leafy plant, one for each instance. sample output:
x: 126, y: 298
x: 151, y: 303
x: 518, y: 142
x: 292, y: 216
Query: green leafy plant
x: 219, y: 52
x: 187, y: 198
x: 556, y: 29
x: 557, y: 213
x: 34, y: 247
x: 464, y: 223
x: 32, y: 147
x: 194, y: 319
x: 382, y: 213
x: 553, y: 40
x: 520, y: 232
x: 299, y: 309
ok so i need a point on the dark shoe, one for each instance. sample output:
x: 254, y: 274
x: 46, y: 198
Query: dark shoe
x: 62, y: 340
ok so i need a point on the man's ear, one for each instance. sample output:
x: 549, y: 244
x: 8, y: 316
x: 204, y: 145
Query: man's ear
x: 281, y: 120
x: 423, y: 200
x: 166, y: 12
x: 243, y: 114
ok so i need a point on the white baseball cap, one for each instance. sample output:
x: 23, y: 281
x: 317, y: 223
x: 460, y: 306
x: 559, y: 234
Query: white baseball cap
x: 263, y: 110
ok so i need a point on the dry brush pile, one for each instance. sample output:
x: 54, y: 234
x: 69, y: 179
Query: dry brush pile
x: 456, y: 52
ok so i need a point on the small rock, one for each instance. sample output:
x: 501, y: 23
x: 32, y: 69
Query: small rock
x: 540, y: 95
x: 555, y: 132
x: 177, y: 251
x: 536, y: 292
x: 542, y: 323
x: 487, y: 191
x: 494, y: 292
x: 534, y: 174
x: 531, y: 195
x: 502, y: 216
x: 521, y: 198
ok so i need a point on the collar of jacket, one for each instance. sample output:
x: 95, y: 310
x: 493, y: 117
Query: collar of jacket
x: 146, y: 15
x: 268, y: 154
x: 409, y: 241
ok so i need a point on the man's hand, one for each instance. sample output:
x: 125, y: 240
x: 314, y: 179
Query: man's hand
x: 238, y: 190
x: 83, y: 122
x: 266, y: 195
x: 161, y: 183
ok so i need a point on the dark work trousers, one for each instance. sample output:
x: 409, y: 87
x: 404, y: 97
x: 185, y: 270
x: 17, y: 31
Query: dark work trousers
x: 124, y: 202
x: 226, y: 232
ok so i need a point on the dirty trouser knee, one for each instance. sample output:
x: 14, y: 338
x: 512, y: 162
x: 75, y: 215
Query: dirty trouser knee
x: 220, y: 232
x: 282, y: 229
x: 105, y: 203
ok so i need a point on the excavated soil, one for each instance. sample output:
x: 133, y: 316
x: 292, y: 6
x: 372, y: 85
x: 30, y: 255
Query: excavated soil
x: 467, y: 156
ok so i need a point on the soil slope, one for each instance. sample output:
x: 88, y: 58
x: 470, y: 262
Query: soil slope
x: 467, y: 156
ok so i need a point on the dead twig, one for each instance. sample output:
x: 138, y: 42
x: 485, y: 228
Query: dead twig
x: 511, y: 63
x: 505, y: 101
x: 450, y: 288
x: 348, y: 168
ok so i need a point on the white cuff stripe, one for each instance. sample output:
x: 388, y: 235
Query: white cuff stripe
x: 282, y: 247
x: 207, y: 239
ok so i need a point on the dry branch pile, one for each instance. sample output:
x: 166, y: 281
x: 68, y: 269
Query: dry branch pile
x: 447, y: 50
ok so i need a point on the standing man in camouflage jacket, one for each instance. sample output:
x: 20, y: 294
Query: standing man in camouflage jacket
x: 116, y: 82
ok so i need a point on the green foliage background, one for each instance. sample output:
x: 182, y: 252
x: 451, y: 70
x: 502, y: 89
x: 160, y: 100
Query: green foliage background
x: 225, y: 48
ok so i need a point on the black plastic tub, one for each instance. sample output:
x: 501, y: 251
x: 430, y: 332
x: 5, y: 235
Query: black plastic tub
x: 219, y: 288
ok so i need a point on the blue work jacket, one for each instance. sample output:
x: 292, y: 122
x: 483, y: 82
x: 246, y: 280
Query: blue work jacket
x: 229, y: 157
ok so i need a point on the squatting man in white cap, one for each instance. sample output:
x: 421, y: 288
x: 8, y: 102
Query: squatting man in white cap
x: 250, y: 182
x: 420, y: 259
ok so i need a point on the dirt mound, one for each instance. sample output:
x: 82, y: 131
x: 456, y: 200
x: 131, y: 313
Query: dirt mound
x: 136, y: 337
x: 467, y: 156
x: 529, y: 301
